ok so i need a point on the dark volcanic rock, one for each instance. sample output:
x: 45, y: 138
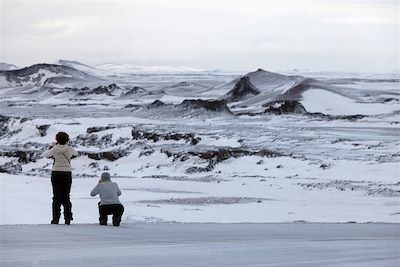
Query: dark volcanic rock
x: 194, y: 104
x: 107, y: 155
x: 285, y: 107
x: 209, y: 105
x: 43, y: 129
x: 226, y: 153
x: 337, y: 117
x: 242, y: 88
x: 138, y: 134
x: 4, y: 124
x: 388, y: 99
x: 107, y: 90
x: 96, y: 129
x: 11, y: 168
x: 54, y: 91
x: 134, y: 91
x: 216, y: 156
x: 23, y: 156
x: 146, y: 152
x: 133, y: 106
x: 157, y: 103
x: 93, y: 140
x: 6, y: 121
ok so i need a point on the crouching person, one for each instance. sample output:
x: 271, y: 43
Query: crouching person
x: 109, y: 204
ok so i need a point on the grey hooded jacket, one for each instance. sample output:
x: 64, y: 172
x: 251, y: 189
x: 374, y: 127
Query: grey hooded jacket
x: 109, y: 192
x: 62, y: 155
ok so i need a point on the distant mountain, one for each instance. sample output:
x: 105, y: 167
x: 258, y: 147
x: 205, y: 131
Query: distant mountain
x: 48, y: 75
x: 263, y: 92
x: 136, y: 69
x: 260, y: 87
x: 80, y: 66
x: 6, y: 66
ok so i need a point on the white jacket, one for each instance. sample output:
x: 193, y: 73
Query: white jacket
x: 62, y: 155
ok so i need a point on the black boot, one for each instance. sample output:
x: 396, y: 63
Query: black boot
x: 68, y: 218
x: 54, y: 221
x: 103, y: 218
x: 116, y: 220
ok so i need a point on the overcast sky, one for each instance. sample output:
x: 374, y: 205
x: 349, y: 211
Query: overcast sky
x: 353, y: 35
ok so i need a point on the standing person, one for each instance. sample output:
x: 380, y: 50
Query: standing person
x: 109, y: 204
x: 61, y: 178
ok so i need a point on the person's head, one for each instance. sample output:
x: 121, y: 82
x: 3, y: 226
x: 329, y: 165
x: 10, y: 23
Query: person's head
x: 105, y: 177
x: 62, y: 138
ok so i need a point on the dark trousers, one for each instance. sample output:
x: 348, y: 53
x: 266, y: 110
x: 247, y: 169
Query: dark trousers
x: 61, y: 182
x: 116, y: 210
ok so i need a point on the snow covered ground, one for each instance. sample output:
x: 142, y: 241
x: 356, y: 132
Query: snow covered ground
x: 327, y: 102
x: 334, y: 158
x: 27, y: 200
x: 174, y: 244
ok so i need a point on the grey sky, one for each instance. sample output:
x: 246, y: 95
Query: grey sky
x: 212, y: 34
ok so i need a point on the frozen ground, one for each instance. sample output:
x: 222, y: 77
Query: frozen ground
x: 173, y: 244
x: 27, y: 200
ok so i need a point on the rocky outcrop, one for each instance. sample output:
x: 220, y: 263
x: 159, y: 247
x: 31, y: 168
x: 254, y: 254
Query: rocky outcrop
x: 242, y: 89
x: 106, y: 90
x: 337, y: 117
x: 11, y: 168
x: 43, y: 129
x: 23, y: 156
x: 285, y: 107
x: 134, y: 106
x: 106, y: 155
x: 226, y: 153
x: 96, y: 129
x: 217, y: 156
x: 209, y: 105
x: 133, y: 91
x: 94, y: 140
x: 157, y: 103
x: 4, y: 124
x: 193, y: 104
x: 138, y: 134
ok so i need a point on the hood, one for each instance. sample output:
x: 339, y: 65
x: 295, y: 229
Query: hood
x: 60, y: 148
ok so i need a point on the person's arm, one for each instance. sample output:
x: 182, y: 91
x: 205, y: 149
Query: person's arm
x: 74, y: 153
x: 95, y: 191
x: 118, y: 191
x: 49, y: 153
